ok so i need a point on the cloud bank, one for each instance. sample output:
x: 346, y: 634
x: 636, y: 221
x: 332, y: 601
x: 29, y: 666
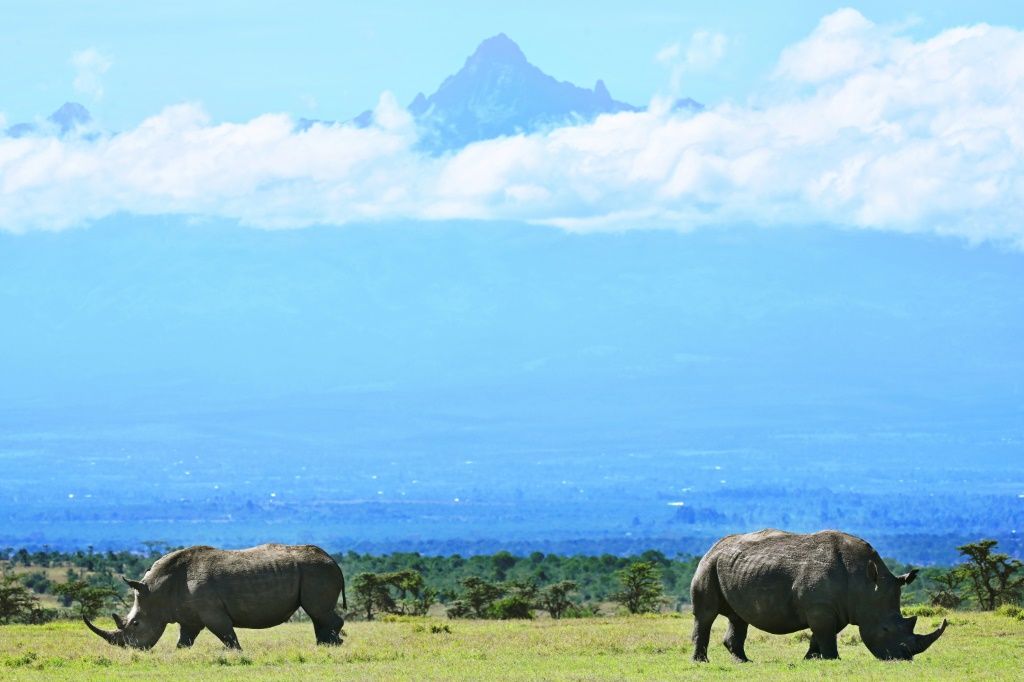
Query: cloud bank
x: 864, y: 127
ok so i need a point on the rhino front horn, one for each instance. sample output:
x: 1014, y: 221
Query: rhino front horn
x: 110, y: 637
x: 925, y: 641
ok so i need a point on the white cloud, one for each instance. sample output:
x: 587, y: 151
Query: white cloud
x: 704, y: 50
x: 883, y: 132
x: 90, y: 65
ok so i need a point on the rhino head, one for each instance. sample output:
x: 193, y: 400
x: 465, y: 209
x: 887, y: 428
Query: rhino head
x: 883, y: 629
x: 141, y: 628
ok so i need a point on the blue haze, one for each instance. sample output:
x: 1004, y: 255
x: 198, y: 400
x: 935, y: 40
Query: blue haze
x: 198, y: 381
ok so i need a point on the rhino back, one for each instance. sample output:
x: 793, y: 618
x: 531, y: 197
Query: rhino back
x: 260, y: 586
x: 772, y: 578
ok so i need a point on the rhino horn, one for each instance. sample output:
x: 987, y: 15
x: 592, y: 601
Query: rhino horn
x: 117, y: 619
x: 922, y: 642
x: 110, y: 637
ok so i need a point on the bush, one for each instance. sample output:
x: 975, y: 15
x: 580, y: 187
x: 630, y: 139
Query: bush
x: 511, y: 608
x: 1011, y: 611
x: 37, y: 582
x: 583, y: 611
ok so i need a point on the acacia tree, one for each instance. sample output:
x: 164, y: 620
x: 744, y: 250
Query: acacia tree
x: 947, y: 593
x: 372, y: 594
x: 415, y: 598
x: 518, y: 601
x: 555, y: 598
x: 402, y: 592
x: 992, y: 578
x: 90, y: 599
x: 641, y: 588
x: 477, y: 597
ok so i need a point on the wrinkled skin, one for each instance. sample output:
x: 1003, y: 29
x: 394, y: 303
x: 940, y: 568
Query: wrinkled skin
x: 784, y: 582
x: 205, y: 588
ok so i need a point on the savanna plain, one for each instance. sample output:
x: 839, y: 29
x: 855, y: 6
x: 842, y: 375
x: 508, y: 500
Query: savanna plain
x: 976, y: 646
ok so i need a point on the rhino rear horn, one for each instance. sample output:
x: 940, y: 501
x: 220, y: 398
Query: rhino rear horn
x: 922, y: 642
x: 117, y: 619
x: 110, y: 637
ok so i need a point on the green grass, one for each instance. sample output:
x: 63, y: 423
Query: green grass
x: 976, y: 646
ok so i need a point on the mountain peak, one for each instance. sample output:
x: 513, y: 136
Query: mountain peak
x: 499, y: 92
x: 69, y: 116
x: 499, y: 48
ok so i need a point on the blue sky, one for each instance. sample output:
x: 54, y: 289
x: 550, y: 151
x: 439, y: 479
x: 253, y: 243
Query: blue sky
x: 333, y: 59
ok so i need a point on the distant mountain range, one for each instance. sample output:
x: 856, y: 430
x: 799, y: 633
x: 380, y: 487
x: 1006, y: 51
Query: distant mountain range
x: 497, y: 92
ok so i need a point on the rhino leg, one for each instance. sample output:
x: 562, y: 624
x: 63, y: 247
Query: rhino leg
x: 823, y: 633
x: 706, y: 602
x: 220, y: 625
x: 188, y: 634
x: 319, y: 603
x: 328, y: 631
x: 813, y: 651
x: 705, y: 610
x: 735, y: 636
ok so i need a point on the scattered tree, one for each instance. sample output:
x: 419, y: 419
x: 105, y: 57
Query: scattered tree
x: 415, y: 598
x: 992, y: 578
x: 519, y: 600
x: 555, y: 598
x: 477, y: 597
x: 641, y: 589
x: 946, y: 592
x: 503, y: 561
x: 37, y: 582
x: 403, y: 592
x: 90, y: 600
x: 17, y: 602
x: 372, y: 594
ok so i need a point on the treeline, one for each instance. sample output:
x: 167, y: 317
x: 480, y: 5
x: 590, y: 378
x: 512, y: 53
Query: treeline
x: 500, y: 585
x: 595, y: 576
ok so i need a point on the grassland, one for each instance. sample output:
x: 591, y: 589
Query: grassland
x: 976, y: 646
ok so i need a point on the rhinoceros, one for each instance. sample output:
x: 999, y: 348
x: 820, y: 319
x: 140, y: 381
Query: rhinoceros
x: 784, y: 582
x: 202, y: 587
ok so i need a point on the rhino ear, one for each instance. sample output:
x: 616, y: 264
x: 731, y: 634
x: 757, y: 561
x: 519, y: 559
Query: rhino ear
x: 137, y: 585
x: 907, y: 578
x: 873, y: 572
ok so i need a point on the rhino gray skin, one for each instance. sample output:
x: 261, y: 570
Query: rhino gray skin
x: 203, y: 587
x: 783, y: 582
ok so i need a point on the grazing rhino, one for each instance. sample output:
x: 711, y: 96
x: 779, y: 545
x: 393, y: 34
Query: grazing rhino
x: 783, y: 582
x: 203, y: 587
